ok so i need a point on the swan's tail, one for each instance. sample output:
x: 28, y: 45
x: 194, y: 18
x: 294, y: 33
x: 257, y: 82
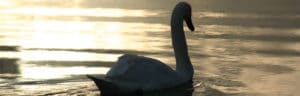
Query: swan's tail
x: 105, y: 86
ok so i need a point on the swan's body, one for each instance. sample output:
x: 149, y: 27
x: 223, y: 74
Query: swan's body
x: 138, y: 73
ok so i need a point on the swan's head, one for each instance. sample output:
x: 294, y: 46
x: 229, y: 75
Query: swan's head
x: 185, y: 10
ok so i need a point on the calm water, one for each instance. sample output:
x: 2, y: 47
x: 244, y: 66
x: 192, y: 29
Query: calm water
x: 239, y: 48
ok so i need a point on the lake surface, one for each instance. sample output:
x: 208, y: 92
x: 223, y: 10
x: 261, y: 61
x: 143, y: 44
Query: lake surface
x: 239, y: 48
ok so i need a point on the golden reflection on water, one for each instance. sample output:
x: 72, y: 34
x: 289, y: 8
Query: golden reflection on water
x: 94, y: 12
x: 37, y: 33
x: 6, y: 3
x: 26, y: 27
x: 66, y: 56
x: 75, y: 34
x: 87, y: 34
x: 71, y: 35
x: 44, y: 72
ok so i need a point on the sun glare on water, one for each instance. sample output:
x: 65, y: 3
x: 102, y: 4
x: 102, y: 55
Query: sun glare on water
x: 43, y: 28
x: 6, y: 3
x: 94, y: 12
x: 58, y: 72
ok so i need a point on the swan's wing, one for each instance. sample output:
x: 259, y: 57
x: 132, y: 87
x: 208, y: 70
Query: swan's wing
x: 121, y: 66
x: 141, y: 69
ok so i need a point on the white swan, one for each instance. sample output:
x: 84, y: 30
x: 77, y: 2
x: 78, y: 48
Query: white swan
x: 134, y: 73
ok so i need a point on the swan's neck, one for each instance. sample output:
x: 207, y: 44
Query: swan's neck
x: 183, y: 63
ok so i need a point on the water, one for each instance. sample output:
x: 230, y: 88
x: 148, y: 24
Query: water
x: 239, y: 48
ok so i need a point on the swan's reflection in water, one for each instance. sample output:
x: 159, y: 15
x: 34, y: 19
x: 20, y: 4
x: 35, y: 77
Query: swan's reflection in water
x: 181, y: 90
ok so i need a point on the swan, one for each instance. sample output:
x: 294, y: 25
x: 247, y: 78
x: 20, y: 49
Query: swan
x: 133, y: 73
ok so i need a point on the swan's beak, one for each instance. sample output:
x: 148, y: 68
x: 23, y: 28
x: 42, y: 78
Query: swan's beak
x: 189, y: 23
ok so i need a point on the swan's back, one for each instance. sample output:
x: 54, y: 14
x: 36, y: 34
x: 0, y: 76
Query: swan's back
x: 143, y: 71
